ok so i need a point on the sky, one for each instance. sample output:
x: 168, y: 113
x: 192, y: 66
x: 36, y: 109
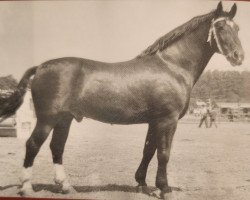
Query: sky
x: 32, y: 32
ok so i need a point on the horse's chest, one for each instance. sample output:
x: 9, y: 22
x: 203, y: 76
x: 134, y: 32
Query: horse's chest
x: 171, y: 97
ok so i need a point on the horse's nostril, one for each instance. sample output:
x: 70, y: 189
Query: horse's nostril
x: 242, y: 56
x: 236, y: 55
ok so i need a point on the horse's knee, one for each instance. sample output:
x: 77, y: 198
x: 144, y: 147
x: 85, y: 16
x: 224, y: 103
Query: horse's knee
x: 163, y: 156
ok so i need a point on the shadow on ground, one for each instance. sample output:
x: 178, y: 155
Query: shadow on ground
x: 100, y: 188
x: 85, y: 189
x: 8, y: 186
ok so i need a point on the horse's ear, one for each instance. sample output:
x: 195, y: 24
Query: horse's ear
x: 232, y: 11
x: 219, y: 9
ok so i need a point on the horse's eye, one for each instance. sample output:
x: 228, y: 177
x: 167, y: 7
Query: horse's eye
x: 220, y: 25
x: 220, y: 28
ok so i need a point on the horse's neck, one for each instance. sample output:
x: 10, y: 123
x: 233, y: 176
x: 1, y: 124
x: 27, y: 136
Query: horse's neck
x: 192, y: 52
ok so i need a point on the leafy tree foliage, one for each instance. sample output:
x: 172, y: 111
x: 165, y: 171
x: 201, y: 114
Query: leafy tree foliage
x: 227, y: 86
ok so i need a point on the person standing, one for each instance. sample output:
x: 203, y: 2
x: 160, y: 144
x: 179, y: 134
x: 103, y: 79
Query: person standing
x: 204, y: 113
x: 230, y: 116
x: 213, y: 115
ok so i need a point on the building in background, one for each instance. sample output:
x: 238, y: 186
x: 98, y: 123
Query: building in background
x: 239, y: 110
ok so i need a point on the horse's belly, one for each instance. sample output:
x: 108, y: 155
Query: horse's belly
x: 114, y: 113
x: 113, y: 105
x: 114, y: 116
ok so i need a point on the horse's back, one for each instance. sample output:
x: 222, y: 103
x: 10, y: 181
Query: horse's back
x: 58, y: 85
x: 125, y: 92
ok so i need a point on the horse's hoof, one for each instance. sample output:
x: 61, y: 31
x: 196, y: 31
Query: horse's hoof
x: 142, y: 189
x: 156, y: 193
x: 162, y: 195
x: 139, y: 189
x: 68, y: 190
x: 58, y: 182
x: 167, y: 196
x: 27, y: 192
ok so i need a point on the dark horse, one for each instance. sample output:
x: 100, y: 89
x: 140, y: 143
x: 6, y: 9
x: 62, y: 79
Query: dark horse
x: 152, y: 88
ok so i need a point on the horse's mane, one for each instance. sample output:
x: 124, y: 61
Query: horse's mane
x: 176, y: 34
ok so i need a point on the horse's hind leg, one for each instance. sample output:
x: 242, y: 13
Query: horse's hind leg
x: 148, y: 153
x: 59, y: 137
x: 33, y: 144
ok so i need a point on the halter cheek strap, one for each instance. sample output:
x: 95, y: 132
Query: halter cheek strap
x: 212, y: 32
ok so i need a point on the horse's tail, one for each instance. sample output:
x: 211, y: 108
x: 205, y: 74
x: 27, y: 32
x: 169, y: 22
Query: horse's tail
x: 10, y: 104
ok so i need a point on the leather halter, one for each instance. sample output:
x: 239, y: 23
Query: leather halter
x: 212, y: 33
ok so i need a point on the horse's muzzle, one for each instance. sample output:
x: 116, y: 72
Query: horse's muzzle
x: 236, y: 58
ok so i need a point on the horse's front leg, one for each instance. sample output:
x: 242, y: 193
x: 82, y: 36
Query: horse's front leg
x: 148, y: 153
x: 164, y: 130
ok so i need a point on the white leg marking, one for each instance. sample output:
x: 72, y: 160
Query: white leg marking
x: 26, y: 180
x: 61, y: 178
x: 60, y: 175
x: 26, y: 174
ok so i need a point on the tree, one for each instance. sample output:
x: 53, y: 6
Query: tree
x: 228, y: 86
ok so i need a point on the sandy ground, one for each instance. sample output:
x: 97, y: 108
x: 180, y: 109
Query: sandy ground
x: 101, y: 160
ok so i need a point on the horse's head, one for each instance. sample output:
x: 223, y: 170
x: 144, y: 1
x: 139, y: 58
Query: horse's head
x: 223, y: 35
